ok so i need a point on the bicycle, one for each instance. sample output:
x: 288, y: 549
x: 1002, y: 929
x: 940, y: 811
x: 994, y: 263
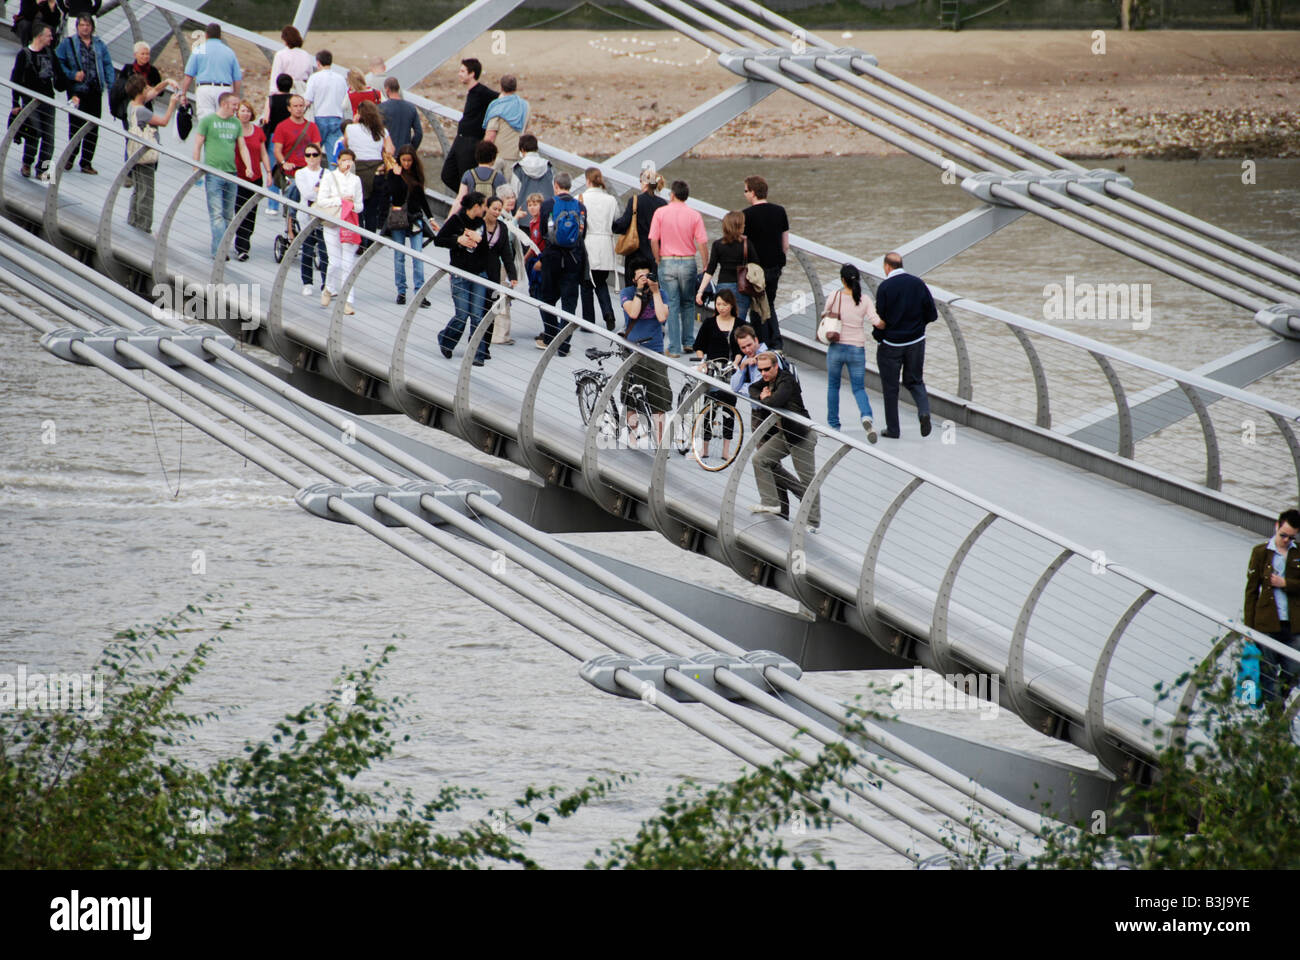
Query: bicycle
x: 708, y: 417
x: 627, y: 419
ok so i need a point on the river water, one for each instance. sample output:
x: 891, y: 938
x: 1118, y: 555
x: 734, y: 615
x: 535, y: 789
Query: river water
x: 127, y: 516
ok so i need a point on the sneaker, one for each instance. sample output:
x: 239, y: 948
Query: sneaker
x: 43, y: 178
x: 871, y: 430
x: 401, y: 299
x: 764, y: 508
x: 445, y: 352
x: 241, y: 256
x: 814, y: 528
x: 478, y: 363
x: 325, y: 297
x: 541, y: 344
x: 89, y: 170
x: 347, y: 309
x: 26, y: 170
x: 307, y: 290
x: 425, y: 303
x: 925, y: 425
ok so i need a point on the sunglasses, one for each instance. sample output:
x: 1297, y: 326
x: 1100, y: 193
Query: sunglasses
x: 764, y: 369
x: 311, y: 154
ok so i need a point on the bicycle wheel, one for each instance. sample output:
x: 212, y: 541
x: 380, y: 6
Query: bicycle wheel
x: 641, y: 436
x: 281, y: 247
x: 682, y: 425
x: 588, y: 392
x: 708, y: 429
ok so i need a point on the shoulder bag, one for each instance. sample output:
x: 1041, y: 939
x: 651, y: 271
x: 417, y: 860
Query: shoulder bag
x: 742, y: 274
x: 831, y: 325
x: 280, y: 177
x: 334, y: 209
x: 630, y: 242
x: 147, y: 132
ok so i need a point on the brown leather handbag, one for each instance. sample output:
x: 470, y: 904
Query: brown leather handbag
x: 630, y: 242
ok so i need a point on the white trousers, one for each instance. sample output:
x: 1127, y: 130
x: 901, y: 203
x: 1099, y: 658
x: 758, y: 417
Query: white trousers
x: 205, y: 100
x: 342, y: 257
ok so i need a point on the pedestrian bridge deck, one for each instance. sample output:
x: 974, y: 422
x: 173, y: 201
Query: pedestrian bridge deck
x: 1118, y: 540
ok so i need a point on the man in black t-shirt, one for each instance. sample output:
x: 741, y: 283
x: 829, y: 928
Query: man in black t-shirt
x: 460, y: 156
x: 768, y: 231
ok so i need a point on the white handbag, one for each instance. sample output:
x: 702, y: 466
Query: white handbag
x: 830, y: 323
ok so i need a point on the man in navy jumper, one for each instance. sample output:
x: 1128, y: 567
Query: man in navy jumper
x: 905, y: 307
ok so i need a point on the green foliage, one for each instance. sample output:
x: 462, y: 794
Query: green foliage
x: 110, y: 792
x: 1226, y: 796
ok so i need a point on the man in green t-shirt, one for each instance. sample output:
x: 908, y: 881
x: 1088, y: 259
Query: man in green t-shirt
x: 221, y: 134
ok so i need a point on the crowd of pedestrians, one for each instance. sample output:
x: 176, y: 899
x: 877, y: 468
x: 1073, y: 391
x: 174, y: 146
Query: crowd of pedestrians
x: 514, y: 218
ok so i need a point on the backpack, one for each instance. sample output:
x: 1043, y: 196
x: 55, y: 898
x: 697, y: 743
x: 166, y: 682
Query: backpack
x: 565, y: 227
x: 485, y: 187
x: 117, y: 98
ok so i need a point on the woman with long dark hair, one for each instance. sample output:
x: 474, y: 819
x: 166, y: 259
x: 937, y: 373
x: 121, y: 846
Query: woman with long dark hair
x: 369, y: 142
x: 726, y: 259
x: 848, y: 349
x: 403, y: 184
x: 716, y: 340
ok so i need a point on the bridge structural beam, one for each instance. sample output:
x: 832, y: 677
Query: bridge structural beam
x: 941, y: 244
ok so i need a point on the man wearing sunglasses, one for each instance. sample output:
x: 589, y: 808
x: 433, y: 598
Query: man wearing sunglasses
x: 780, y: 390
x: 1273, y: 602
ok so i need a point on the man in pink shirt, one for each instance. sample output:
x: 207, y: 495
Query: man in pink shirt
x: 676, y: 237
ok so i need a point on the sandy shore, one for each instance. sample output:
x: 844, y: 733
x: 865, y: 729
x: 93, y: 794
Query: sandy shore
x: 1163, y: 94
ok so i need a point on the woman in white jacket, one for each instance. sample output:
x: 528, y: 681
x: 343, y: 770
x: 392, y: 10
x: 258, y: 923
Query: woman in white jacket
x: 336, y: 186
x: 601, y: 207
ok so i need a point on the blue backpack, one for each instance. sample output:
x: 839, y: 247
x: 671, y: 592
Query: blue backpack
x: 566, y: 222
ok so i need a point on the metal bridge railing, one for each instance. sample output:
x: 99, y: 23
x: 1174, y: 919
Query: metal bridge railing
x: 1249, y: 454
x: 1081, y: 640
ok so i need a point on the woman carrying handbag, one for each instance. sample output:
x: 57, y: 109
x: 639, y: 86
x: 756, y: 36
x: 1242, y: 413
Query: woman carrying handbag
x: 408, y: 211
x: 340, y: 196
x: 844, y: 321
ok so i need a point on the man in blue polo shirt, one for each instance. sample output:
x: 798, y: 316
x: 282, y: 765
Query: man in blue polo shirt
x: 215, y: 70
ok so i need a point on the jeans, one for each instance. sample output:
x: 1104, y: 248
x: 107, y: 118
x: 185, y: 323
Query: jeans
x: 313, y: 249
x: 775, y: 483
x: 1274, y: 667
x: 597, y: 282
x: 839, y: 356
x: 742, y: 303
x: 416, y: 240
x: 244, y: 232
x: 561, y: 277
x: 910, y: 360
x: 677, y: 280
x: 470, y: 301
x: 140, y: 213
x: 92, y: 102
x: 771, y: 332
x: 221, y: 206
x: 39, y: 129
x: 331, y: 132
